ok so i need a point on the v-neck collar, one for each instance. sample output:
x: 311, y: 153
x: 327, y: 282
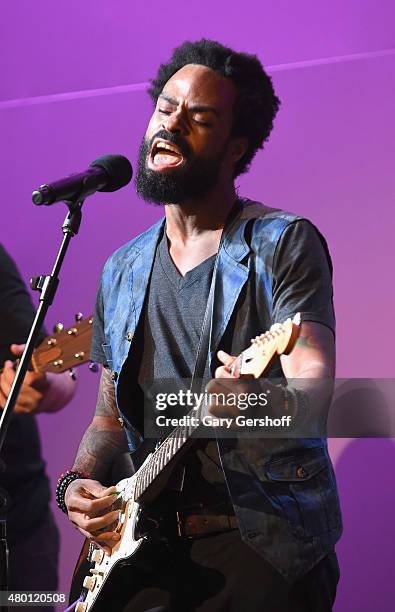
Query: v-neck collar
x: 173, y: 274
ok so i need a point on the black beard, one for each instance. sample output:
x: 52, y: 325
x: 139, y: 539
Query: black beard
x: 195, y: 178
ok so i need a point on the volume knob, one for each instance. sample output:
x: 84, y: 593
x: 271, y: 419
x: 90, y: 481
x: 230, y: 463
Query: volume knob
x: 97, y: 555
x: 89, y: 582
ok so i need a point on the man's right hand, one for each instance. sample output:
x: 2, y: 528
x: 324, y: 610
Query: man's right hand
x: 89, y: 509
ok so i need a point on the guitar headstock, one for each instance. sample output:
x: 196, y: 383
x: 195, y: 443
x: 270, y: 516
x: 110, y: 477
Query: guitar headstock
x: 64, y: 349
x: 280, y: 339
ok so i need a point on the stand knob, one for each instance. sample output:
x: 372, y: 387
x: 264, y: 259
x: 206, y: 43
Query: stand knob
x: 36, y: 282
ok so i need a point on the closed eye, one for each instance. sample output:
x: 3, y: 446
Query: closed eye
x: 203, y: 123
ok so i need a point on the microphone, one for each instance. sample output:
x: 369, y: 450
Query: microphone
x: 106, y: 173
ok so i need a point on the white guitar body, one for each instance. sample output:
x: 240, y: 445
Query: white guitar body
x: 151, y: 476
x: 124, y: 549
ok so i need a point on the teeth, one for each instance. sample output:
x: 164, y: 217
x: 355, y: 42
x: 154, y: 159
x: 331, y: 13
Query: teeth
x: 164, y: 145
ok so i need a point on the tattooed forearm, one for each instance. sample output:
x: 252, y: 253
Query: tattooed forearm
x: 106, y: 405
x: 100, y: 445
x: 308, y: 341
x: 310, y: 369
x: 104, y: 438
x: 313, y: 355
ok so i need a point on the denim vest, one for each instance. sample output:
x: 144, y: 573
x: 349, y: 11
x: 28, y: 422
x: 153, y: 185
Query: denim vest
x: 289, y: 515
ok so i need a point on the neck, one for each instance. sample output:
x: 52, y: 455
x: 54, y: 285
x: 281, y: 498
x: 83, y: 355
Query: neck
x: 197, y: 216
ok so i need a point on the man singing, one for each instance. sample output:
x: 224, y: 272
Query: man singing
x: 214, y: 108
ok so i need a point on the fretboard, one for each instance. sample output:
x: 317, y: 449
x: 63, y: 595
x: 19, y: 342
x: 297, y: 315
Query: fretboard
x: 146, y: 475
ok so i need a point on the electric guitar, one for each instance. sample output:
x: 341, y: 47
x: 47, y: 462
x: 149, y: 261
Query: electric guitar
x: 149, y: 480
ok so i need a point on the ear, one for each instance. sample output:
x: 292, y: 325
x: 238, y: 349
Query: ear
x: 237, y: 148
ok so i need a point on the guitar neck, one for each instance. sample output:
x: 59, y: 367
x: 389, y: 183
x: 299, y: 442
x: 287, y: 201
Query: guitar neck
x: 168, y: 449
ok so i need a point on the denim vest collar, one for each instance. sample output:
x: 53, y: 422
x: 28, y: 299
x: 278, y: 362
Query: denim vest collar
x: 230, y: 277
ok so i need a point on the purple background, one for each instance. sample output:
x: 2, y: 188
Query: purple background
x: 72, y: 88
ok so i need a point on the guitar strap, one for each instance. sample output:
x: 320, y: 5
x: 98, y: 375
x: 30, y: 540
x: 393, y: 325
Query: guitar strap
x: 203, y: 346
x: 177, y: 478
x: 204, y: 340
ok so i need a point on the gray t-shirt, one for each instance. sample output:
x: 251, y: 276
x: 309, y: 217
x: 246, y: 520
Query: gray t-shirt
x: 173, y: 318
x: 174, y: 313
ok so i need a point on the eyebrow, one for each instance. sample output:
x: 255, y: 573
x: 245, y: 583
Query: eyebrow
x: 197, y: 108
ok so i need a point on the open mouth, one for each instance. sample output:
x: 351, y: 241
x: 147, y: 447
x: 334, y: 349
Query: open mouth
x: 164, y: 154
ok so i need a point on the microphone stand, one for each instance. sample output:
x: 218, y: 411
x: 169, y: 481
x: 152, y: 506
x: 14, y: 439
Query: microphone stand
x: 47, y: 286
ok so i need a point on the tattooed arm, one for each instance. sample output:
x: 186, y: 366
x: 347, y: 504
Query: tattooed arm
x: 104, y: 438
x: 87, y: 500
x: 313, y: 355
x: 310, y: 368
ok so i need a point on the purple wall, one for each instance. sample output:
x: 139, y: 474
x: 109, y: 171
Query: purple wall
x: 72, y: 87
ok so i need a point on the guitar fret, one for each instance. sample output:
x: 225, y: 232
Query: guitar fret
x: 155, y: 467
x: 151, y: 471
x: 172, y: 445
x: 159, y: 458
x: 162, y: 457
x: 166, y: 453
x: 137, y: 490
x: 147, y: 476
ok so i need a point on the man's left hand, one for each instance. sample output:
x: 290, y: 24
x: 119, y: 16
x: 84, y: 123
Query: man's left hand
x: 244, y: 389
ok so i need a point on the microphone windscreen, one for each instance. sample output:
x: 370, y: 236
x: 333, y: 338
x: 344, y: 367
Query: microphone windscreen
x: 118, y: 168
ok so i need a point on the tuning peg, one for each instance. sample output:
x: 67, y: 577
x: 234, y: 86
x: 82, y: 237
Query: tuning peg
x: 72, y: 374
x: 93, y: 367
x: 79, y: 316
x: 58, y: 328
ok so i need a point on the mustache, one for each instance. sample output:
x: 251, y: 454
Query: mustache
x: 172, y: 138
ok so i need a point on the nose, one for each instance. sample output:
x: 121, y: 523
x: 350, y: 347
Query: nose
x: 175, y: 122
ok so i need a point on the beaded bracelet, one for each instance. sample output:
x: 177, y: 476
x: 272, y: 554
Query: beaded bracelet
x: 63, y: 482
